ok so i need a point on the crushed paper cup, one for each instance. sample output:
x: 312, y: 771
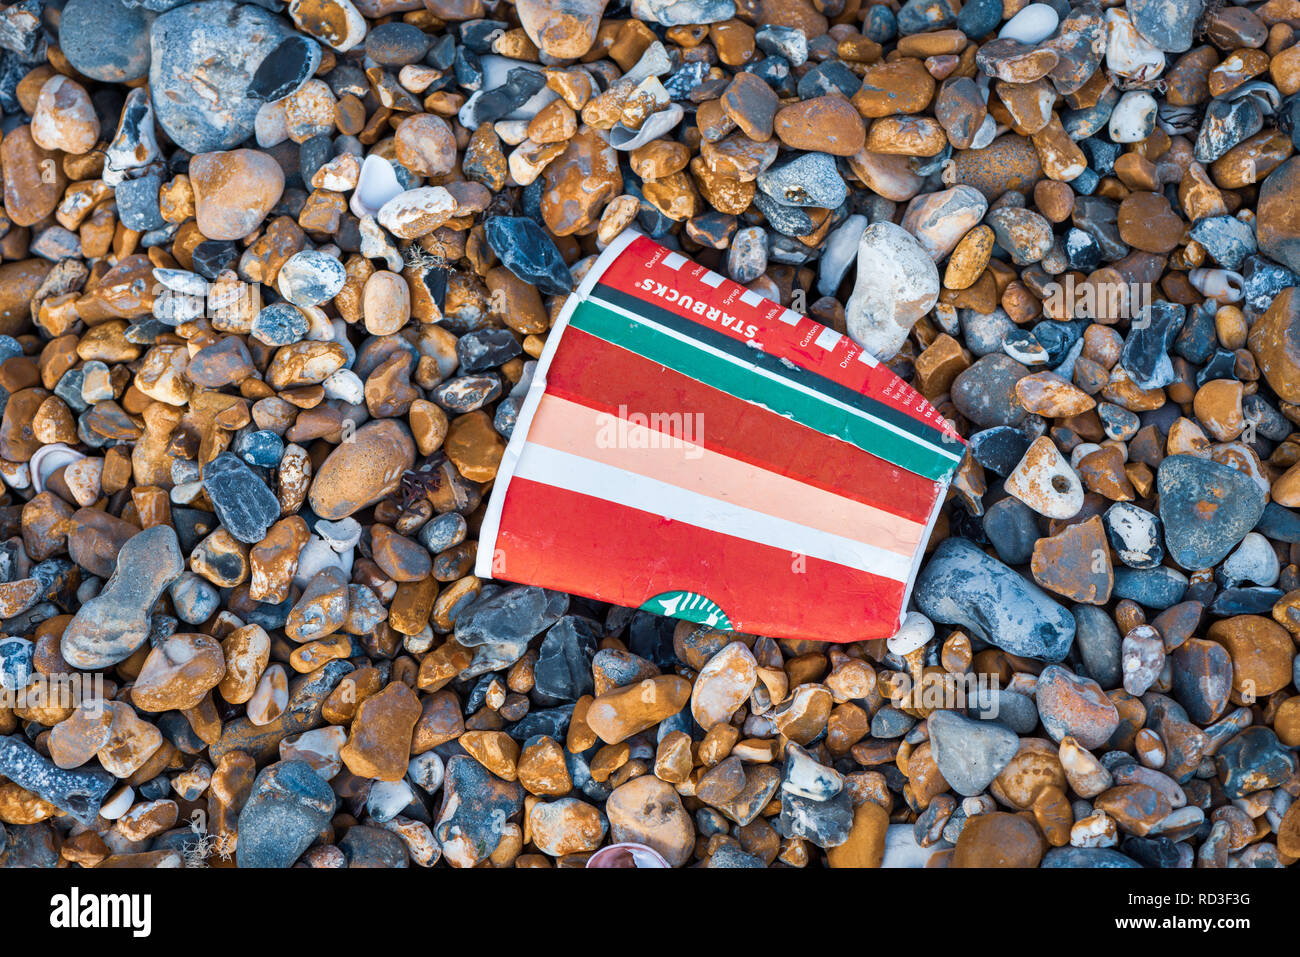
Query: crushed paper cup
x: 690, y: 448
x: 626, y: 855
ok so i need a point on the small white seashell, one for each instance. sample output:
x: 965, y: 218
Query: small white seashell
x: 1223, y: 285
x: 655, y: 126
x: 376, y: 186
x: 47, y: 460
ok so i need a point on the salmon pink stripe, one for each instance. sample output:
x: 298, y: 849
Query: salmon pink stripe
x: 606, y: 438
x: 571, y: 542
x: 612, y: 379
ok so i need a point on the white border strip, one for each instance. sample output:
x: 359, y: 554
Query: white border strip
x: 491, y: 525
x: 632, y: 490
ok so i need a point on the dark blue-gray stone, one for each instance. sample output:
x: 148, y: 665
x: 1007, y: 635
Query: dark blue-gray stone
x: 365, y: 846
x: 1059, y: 337
x: 1099, y: 642
x: 970, y: 754
x: 563, y: 668
x: 137, y: 203
x: 475, y: 807
x: 262, y: 447
x: 507, y: 415
x: 286, y: 68
x: 1279, y: 523
x: 1012, y: 529
x: 731, y: 855
x: 213, y: 256
x: 811, y: 179
x: 243, y: 503
x: 1267, y: 420
x: 1021, y: 345
x: 484, y: 349
x: 515, y: 613
x: 552, y: 722
x: 622, y: 668
x: 1166, y: 26
x: 976, y: 19
x: 1086, y: 857
x: 787, y: 42
x: 1134, y: 534
x: 1252, y: 761
x: 1000, y: 448
x: 521, y: 85
x: 1227, y: 123
x: 651, y: 636
x: 194, y: 598
x: 1082, y: 251
x: 580, y: 773
x: 828, y: 77
x: 479, y: 35
x: 79, y: 793
x: 177, y: 729
x: 1101, y: 154
x: 203, y: 57
x: 1202, y: 677
x: 396, y: 44
x: 467, y: 392
x: 16, y: 661
x: 1226, y: 238
x: 890, y: 722
x: 1158, y: 852
x: 1099, y: 218
x: 963, y: 586
x: 468, y: 69
x: 313, y: 154
x: 1197, y: 340
x: 922, y: 16
x: 1151, y: 587
x: 1018, y: 712
x: 1145, y: 354
x: 824, y: 823
x: 1087, y: 122
x: 1118, y: 422
x: 1206, y: 508
x: 105, y: 40
x: 441, y: 533
x: 442, y: 52
x: 986, y: 392
x: 1264, y: 279
x: 29, y: 845
x: 524, y: 248
x: 786, y: 220
x: 1244, y: 601
x: 681, y: 82
x: 289, y: 806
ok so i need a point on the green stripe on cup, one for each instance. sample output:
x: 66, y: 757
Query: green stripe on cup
x: 733, y: 376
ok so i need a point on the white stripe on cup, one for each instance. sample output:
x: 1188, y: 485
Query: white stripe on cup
x: 576, y: 474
